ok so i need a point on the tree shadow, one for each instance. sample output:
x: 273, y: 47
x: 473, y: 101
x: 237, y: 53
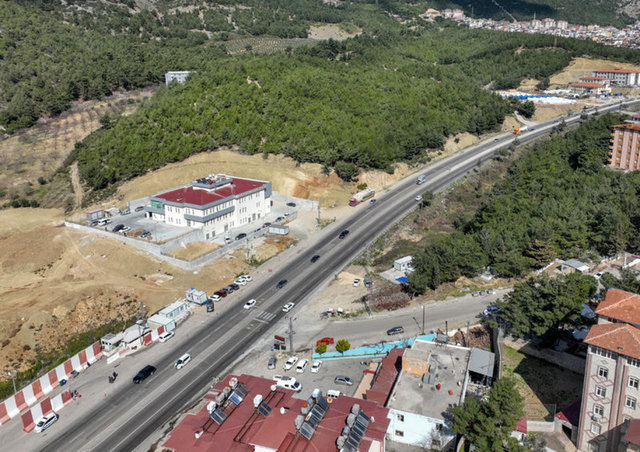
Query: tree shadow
x: 487, y: 8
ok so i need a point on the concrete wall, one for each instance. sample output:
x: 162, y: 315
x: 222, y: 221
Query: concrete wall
x: 417, y: 430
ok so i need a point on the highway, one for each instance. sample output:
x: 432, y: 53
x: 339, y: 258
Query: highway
x: 131, y: 414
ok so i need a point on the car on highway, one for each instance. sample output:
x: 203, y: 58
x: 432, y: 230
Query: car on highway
x: 281, y: 283
x: 221, y: 293
x: 272, y: 363
x: 144, y: 373
x: 241, y: 236
x: 290, y: 362
x: 288, y: 307
x: 342, y: 380
x: 356, y: 282
x: 395, y: 330
x: 491, y: 310
x: 495, y: 139
x: 182, y: 361
x: 373, y: 201
x: 302, y: 365
x: 45, y: 422
x: 118, y: 227
x: 325, y: 340
x: 343, y: 234
x: 291, y: 204
x: 249, y: 304
x: 531, y: 129
x: 139, y: 208
x: 315, y: 258
x: 419, y: 198
x: 315, y: 366
x: 164, y: 337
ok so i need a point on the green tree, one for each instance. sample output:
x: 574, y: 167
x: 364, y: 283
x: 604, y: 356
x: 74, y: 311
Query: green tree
x: 346, y: 171
x: 488, y: 425
x: 321, y: 347
x: 343, y: 345
x: 527, y: 108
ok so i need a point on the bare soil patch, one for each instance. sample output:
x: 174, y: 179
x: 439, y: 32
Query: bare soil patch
x: 330, y: 31
x: 581, y: 67
x: 194, y: 250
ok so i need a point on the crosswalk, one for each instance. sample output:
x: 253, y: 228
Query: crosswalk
x: 265, y: 316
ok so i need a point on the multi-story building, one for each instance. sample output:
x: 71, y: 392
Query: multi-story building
x: 562, y: 24
x: 178, y: 76
x: 619, y: 77
x: 590, y: 86
x: 625, y: 147
x: 611, y: 388
x: 216, y: 204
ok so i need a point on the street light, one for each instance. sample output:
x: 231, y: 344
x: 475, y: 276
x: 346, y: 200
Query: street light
x: 14, y: 381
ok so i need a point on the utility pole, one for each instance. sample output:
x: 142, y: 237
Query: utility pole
x: 423, y: 306
x: 468, y: 337
x: 368, y: 305
x: 319, y: 214
x: 248, y: 248
x: 291, y: 333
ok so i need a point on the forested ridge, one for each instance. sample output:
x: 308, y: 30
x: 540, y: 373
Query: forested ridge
x: 558, y: 200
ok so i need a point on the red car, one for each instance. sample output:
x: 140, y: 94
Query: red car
x: 325, y: 340
x: 221, y: 293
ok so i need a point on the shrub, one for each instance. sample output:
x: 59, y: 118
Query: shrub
x: 343, y: 345
x: 321, y: 348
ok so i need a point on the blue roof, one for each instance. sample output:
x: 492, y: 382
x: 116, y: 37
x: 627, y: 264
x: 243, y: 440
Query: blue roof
x: 403, y: 280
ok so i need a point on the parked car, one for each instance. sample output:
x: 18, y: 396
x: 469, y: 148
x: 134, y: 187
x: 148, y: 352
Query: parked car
x: 74, y: 373
x: 229, y: 289
x: 145, y: 234
x: 144, y: 373
x: 291, y: 204
x: 221, y: 293
x: 45, y: 422
x: 315, y: 258
x: 343, y: 234
x: 118, y: 227
x: 240, y: 282
x: 281, y: 283
x: 315, y: 366
x: 302, y: 365
x: 249, y: 304
x: 126, y: 211
x: 290, y: 362
x: 279, y: 219
x: 241, y: 236
x: 395, y: 330
x: 125, y: 229
x: 104, y: 222
x: 288, y: 307
x: 598, y: 275
x: 342, y: 380
x: 94, y: 223
x: 356, y: 282
x: 164, y: 337
x: 247, y: 278
x: 139, y: 208
x: 368, y: 282
x: 210, y: 306
x: 373, y: 201
x: 182, y: 361
x: 215, y: 297
x: 491, y: 310
x: 234, y: 286
x: 272, y: 363
x: 325, y: 340
x: 266, y: 225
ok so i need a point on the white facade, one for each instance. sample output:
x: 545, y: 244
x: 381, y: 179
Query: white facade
x: 403, y: 264
x: 418, y: 430
x: 178, y: 76
x: 619, y: 77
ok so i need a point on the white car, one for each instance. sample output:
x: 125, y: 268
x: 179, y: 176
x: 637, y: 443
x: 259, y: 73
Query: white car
x: 215, y: 297
x: 290, y: 362
x: 288, y: 307
x: 241, y: 282
x: 164, y: 337
x: 419, y: 198
x: 247, y: 278
x: 182, y: 361
x: 315, y: 366
x: 125, y: 229
x: 302, y: 365
x: 45, y: 422
x: 249, y: 304
x: 356, y: 282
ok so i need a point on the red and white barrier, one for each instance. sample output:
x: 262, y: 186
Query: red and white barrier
x: 30, y: 417
x: 30, y: 395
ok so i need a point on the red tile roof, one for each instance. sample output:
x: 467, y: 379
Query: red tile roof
x: 587, y: 85
x: 617, y: 70
x: 244, y: 428
x: 618, y: 337
x: 383, y: 384
x: 621, y: 305
x: 633, y: 432
x: 571, y: 413
x: 201, y: 197
x: 627, y: 126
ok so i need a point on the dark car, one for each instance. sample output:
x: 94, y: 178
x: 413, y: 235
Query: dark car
x: 343, y: 234
x: 241, y: 236
x: 315, y: 258
x: 221, y: 293
x: 94, y: 223
x: 291, y: 204
x: 228, y: 289
x: 145, y: 234
x: 266, y: 225
x: 139, y: 208
x: 145, y: 373
x: 234, y: 286
x: 118, y: 227
x: 210, y: 306
x: 279, y: 219
x: 373, y: 201
x: 395, y: 330
x: 281, y: 283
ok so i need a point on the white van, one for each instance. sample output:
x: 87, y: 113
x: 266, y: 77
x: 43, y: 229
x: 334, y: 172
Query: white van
x: 288, y: 383
x: 333, y: 394
x: 104, y: 222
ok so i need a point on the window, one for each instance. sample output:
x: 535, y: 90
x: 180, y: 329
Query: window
x: 634, y: 382
x: 598, y: 410
x: 400, y: 417
x: 601, y: 391
x: 603, y: 372
x: 399, y: 433
x: 633, y: 362
x: 602, y: 352
x: 595, y: 428
x: 630, y: 403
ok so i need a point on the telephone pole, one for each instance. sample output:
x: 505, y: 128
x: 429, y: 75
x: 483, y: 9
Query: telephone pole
x: 291, y: 333
x: 423, y: 319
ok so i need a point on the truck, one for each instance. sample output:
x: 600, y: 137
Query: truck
x: 519, y: 130
x: 421, y: 179
x: 362, y: 196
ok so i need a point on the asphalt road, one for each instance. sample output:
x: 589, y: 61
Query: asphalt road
x: 136, y: 411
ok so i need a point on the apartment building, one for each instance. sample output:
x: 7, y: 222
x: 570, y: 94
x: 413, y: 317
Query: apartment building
x: 216, y: 203
x: 619, y: 77
x: 611, y: 390
x: 625, y: 147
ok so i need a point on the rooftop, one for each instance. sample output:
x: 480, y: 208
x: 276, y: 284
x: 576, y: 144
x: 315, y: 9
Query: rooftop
x: 587, y: 85
x: 593, y: 78
x: 383, y: 382
x: 620, y: 305
x: 432, y: 393
x: 627, y: 126
x: 617, y: 70
x: 203, y: 196
x: 618, y: 337
x: 246, y: 427
x: 633, y: 432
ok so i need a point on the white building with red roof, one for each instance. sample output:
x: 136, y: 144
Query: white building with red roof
x: 611, y: 389
x: 216, y: 204
x: 619, y: 77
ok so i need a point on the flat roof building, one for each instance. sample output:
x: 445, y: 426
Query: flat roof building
x: 625, y: 147
x: 618, y: 77
x: 177, y: 76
